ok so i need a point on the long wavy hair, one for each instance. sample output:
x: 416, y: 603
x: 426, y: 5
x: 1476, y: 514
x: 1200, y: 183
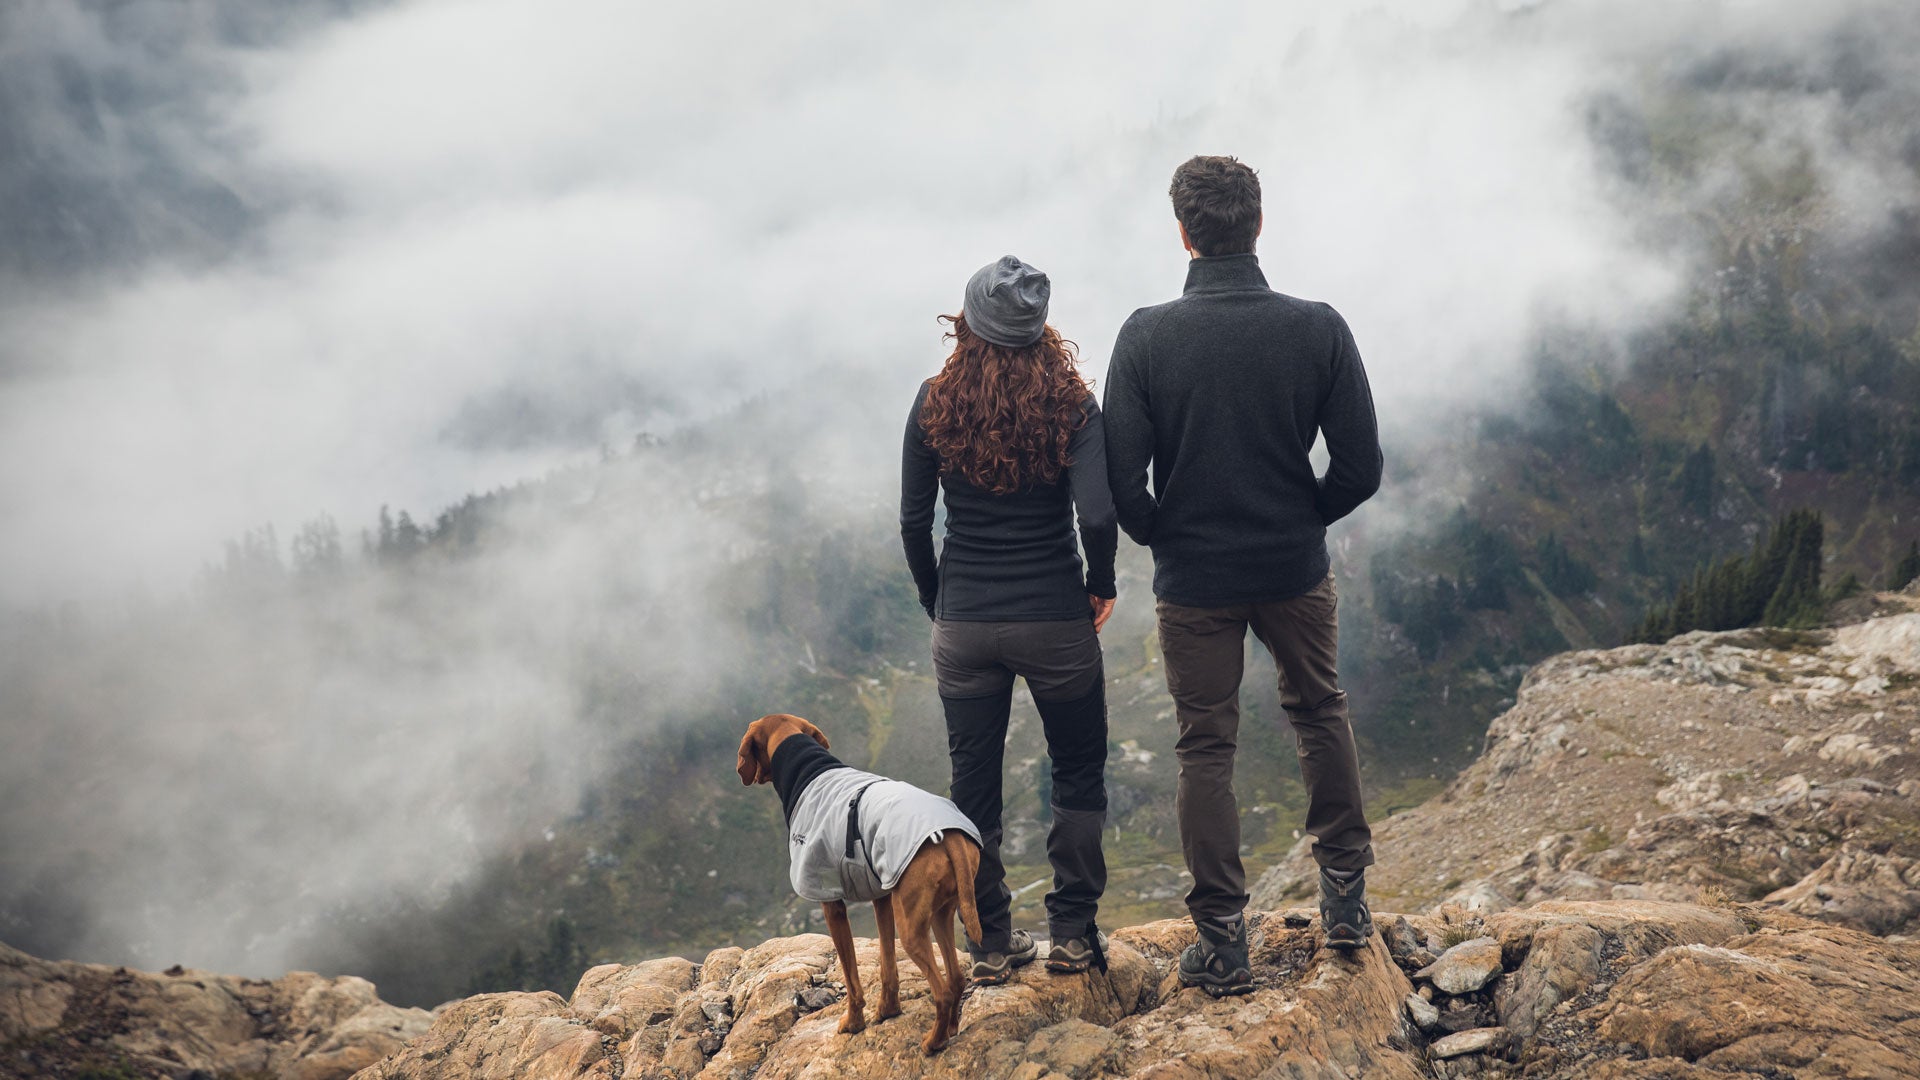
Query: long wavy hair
x: 1001, y: 418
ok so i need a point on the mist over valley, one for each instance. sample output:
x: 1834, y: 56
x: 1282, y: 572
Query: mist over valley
x: 431, y: 431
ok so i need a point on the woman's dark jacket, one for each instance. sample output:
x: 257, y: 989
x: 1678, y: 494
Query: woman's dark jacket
x: 1010, y: 557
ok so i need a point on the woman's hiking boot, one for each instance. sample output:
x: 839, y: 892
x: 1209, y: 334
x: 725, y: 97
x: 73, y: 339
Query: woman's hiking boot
x: 1070, y: 955
x: 994, y: 968
x: 1343, y: 909
x: 1217, y: 963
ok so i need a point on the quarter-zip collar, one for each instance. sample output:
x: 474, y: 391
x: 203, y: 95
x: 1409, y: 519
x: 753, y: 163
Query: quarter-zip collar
x: 1224, y: 273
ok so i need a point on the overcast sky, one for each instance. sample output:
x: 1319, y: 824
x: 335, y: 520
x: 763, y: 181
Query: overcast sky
x: 440, y: 245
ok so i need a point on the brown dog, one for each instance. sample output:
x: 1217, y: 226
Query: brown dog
x: 937, y: 880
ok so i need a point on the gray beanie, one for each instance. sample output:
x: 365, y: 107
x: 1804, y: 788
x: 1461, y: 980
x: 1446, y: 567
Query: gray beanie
x: 1006, y: 302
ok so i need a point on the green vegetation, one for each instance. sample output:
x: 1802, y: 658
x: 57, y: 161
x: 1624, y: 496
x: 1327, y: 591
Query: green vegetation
x: 1907, y: 569
x: 1777, y: 584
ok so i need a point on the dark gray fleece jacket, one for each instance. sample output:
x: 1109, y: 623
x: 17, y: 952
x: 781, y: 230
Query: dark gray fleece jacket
x: 1224, y: 391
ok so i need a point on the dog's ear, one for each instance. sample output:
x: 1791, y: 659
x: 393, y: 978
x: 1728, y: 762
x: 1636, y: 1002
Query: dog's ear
x: 753, y: 755
x: 807, y: 728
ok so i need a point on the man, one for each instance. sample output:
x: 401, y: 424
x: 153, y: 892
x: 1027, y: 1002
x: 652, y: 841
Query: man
x: 1223, y: 391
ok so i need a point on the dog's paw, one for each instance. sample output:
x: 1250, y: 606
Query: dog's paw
x: 853, y: 1023
x: 888, y: 1010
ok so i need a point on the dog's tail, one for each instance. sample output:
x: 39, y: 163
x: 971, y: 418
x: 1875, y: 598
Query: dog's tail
x: 965, y: 857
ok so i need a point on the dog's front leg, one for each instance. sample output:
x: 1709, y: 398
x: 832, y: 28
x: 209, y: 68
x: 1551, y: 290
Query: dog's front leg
x: 889, y: 971
x: 842, y: 933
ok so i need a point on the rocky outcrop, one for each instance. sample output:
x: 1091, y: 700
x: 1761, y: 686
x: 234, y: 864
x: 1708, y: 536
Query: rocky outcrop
x: 67, y: 1019
x: 1769, y: 765
x: 1612, y: 988
x: 772, y: 1011
x: 1617, y: 988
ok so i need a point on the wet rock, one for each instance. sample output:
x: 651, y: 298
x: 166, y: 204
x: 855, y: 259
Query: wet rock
x: 815, y: 998
x: 1563, y: 961
x: 1465, y: 967
x: 1400, y: 937
x: 1476, y: 1041
x: 1424, y: 1015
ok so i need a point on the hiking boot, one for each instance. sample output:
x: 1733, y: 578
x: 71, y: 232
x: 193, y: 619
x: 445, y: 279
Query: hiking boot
x: 1075, y: 954
x: 1217, y: 963
x: 1343, y: 909
x: 994, y: 968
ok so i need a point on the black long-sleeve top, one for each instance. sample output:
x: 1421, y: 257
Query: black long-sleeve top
x: 1009, y: 557
x: 1224, y: 390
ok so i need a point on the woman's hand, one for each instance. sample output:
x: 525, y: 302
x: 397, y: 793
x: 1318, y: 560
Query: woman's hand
x: 1102, y: 610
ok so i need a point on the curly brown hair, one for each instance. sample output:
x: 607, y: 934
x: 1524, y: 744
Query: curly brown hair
x: 1000, y: 418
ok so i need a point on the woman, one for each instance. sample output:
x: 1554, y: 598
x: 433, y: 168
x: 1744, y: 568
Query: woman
x: 1010, y: 434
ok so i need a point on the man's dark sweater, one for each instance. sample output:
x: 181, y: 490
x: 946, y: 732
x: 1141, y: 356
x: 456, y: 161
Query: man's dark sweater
x: 1009, y: 558
x: 1224, y: 391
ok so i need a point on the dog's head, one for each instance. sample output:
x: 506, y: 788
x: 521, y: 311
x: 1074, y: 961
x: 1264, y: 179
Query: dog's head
x: 763, y: 736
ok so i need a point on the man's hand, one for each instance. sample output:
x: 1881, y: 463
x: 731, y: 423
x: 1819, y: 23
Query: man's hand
x: 1102, y: 610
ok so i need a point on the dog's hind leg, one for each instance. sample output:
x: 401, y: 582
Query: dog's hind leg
x: 842, y: 933
x: 956, y: 983
x: 920, y: 951
x: 889, y: 969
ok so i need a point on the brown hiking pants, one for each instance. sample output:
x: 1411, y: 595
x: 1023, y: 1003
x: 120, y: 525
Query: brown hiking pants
x: 1204, y: 650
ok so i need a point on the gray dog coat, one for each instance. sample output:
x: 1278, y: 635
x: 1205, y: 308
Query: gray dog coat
x: 851, y: 834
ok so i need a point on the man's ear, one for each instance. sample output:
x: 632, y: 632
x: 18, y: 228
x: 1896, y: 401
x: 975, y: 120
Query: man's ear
x: 752, y: 765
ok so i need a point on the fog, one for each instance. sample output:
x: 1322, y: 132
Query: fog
x: 265, y: 265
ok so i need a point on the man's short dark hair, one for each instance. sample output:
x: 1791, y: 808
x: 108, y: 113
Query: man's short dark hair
x: 1218, y: 200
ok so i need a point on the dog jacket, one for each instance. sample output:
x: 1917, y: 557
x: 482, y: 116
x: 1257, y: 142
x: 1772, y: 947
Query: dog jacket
x: 851, y: 834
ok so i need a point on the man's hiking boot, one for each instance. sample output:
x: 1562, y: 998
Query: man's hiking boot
x: 994, y: 968
x: 1343, y: 909
x: 1070, y: 955
x: 1217, y: 963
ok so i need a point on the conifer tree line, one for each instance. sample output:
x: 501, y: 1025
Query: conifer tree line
x: 1907, y: 569
x: 1777, y: 584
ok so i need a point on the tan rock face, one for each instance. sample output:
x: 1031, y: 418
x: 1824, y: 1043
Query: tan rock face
x: 1808, y: 1001
x: 746, y: 1013
x: 1716, y: 767
x: 64, y: 1019
x: 1577, y: 989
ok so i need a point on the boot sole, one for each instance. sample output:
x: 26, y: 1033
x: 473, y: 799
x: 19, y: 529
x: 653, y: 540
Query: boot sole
x: 1220, y: 989
x: 1349, y: 941
x: 999, y: 978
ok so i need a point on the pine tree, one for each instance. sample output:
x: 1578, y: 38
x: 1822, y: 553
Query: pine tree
x: 1797, y: 600
x: 1907, y: 569
x: 1778, y: 584
x: 1696, y: 481
x: 1637, y: 561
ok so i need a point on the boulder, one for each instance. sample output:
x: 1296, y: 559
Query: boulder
x: 1465, y: 967
x: 62, y: 1018
x: 1817, y: 1001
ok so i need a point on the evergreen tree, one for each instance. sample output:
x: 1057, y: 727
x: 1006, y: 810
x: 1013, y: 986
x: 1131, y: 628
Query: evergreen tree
x: 1778, y: 584
x: 407, y: 537
x: 1696, y: 481
x: 1563, y: 573
x: 1907, y: 569
x: 316, y: 548
x: 1797, y: 602
x: 1637, y: 561
x: 1845, y: 587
